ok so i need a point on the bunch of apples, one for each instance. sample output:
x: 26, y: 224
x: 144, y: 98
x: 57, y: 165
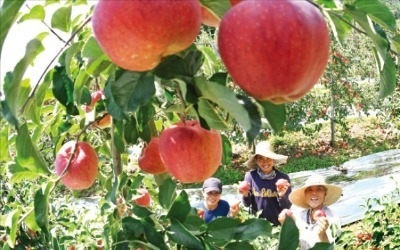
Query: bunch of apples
x: 274, y: 50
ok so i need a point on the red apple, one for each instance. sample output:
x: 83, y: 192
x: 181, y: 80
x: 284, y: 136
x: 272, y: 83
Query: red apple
x: 209, y: 18
x: 200, y: 213
x: 138, y: 34
x: 281, y: 183
x: 83, y: 169
x: 244, y: 186
x: 143, y: 198
x: 319, y: 213
x: 234, y: 2
x: 274, y: 50
x: 190, y: 153
x: 150, y: 160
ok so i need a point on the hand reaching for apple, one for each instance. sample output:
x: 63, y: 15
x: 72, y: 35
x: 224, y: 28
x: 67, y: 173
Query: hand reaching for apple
x: 282, y: 185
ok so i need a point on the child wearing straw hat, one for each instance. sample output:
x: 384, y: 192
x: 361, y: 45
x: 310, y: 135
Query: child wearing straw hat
x: 315, y: 220
x: 267, y: 189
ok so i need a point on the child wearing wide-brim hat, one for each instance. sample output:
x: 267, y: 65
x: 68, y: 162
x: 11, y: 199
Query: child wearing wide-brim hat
x: 267, y: 189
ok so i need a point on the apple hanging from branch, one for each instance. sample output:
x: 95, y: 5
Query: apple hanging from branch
x: 137, y: 34
x: 83, y: 168
x: 150, y: 160
x: 190, y: 153
x: 274, y: 50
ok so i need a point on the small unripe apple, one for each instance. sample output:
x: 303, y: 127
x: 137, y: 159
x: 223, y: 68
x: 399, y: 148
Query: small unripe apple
x: 274, y: 50
x: 83, y: 168
x: 143, y: 198
x: 137, y: 34
x: 190, y: 153
x: 281, y: 183
x: 244, y: 186
x: 150, y: 160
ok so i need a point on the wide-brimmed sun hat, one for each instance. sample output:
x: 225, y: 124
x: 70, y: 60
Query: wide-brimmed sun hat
x: 333, y: 192
x: 212, y: 184
x: 265, y: 149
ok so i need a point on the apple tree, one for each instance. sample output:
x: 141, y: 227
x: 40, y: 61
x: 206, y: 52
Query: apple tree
x: 123, y: 77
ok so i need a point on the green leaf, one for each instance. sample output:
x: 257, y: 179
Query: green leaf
x: 387, y: 78
x: 8, y: 115
x: 13, y: 87
x: 227, y: 150
x: 29, y: 156
x: 362, y: 19
x: 339, y: 26
x: 153, y: 236
x: 242, y: 245
x: 207, y: 112
x: 222, y: 230
x: 323, y: 246
x: 63, y: 89
x: 226, y: 99
x: 41, y: 204
x: 4, y: 151
x: 8, y: 14
x: 254, y: 115
x: 289, y: 235
x: 219, y: 7
x: 183, y: 66
x: 326, y: 3
x: 132, y: 89
x: 180, y: 208
x: 12, y: 226
x: 130, y: 131
x: 253, y: 228
x: 34, y: 107
x: 132, y: 227
x: 378, y: 12
x: 118, y: 135
x: 395, y: 43
x: 275, y: 114
x: 179, y: 234
x: 167, y: 193
x: 61, y: 19
x: 36, y: 12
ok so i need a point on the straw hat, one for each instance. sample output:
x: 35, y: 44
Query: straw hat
x: 333, y: 192
x: 265, y: 149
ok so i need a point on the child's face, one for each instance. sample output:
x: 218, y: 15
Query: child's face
x: 265, y: 164
x: 212, y: 198
x: 315, y: 196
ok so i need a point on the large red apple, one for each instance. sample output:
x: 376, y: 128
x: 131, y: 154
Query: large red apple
x: 150, y: 160
x: 143, y: 198
x: 83, y: 169
x: 190, y: 153
x: 274, y: 50
x: 138, y: 34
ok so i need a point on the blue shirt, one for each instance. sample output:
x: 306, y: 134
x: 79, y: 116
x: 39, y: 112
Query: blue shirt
x: 222, y: 210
